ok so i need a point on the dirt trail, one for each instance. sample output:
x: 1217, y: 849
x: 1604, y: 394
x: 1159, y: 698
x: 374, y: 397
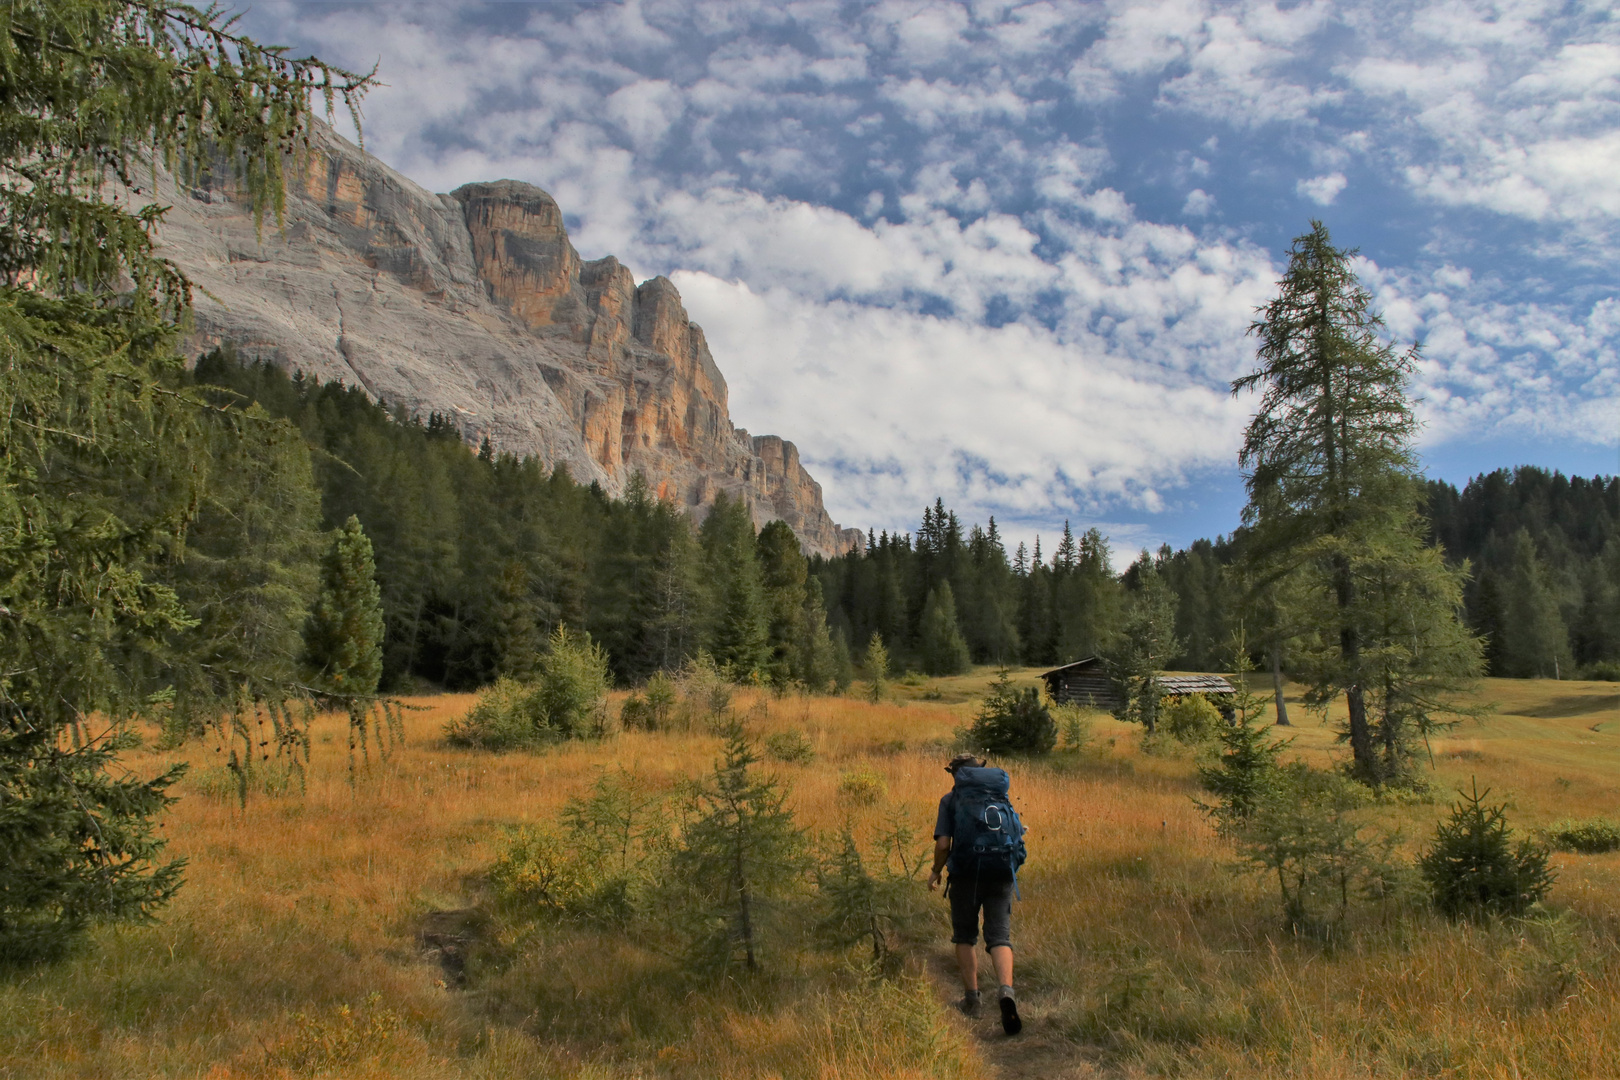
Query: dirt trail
x: 1039, y: 1052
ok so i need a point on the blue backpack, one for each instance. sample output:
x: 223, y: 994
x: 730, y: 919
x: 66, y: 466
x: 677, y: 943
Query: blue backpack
x: 987, y: 832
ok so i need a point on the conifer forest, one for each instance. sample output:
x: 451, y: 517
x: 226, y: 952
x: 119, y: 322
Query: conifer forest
x: 480, y: 555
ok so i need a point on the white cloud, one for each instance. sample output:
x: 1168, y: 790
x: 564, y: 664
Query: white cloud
x: 1322, y: 190
x: 906, y: 407
x: 1200, y: 203
x: 646, y: 110
x: 931, y: 104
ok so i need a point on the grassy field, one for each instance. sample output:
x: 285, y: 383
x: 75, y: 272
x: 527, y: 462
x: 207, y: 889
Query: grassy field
x: 297, y: 945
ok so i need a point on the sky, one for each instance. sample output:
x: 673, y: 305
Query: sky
x: 1007, y: 254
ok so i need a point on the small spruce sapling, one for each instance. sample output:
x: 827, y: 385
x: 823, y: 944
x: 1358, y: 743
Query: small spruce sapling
x: 659, y: 693
x: 1474, y: 869
x: 860, y: 907
x: 843, y: 667
x: 1246, y: 772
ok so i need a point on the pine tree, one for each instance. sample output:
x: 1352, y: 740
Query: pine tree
x: 343, y: 639
x: 1085, y: 599
x: 1533, y: 641
x: 783, y: 571
x: 1067, y: 556
x: 1035, y: 624
x: 1144, y: 644
x: 516, y: 635
x: 104, y: 466
x: 944, y: 652
x: 741, y: 627
x: 843, y: 665
x: 676, y: 611
x: 815, y: 657
x: 247, y: 568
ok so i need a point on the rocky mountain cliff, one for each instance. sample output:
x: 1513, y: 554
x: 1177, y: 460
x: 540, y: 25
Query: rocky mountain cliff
x: 475, y: 305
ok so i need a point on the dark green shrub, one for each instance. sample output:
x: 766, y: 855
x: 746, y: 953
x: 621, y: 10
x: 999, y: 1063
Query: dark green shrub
x: 1588, y: 837
x: 636, y: 715
x: 501, y: 719
x: 1473, y: 868
x: 1013, y: 721
x: 790, y: 748
x: 566, y: 700
x: 1190, y: 719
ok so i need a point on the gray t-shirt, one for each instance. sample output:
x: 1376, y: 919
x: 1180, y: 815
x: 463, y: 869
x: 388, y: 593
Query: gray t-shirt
x: 945, y: 824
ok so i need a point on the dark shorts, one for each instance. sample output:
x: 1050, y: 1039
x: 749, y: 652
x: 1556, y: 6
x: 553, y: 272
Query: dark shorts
x: 990, y: 892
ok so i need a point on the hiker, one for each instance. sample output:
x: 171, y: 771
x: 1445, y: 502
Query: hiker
x: 979, y: 838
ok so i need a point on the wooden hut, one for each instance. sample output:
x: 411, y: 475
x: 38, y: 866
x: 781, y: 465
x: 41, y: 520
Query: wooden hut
x: 1084, y: 682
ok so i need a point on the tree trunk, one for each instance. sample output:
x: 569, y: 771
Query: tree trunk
x: 1361, y: 741
x: 1277, y: 685
x: 746, y: 920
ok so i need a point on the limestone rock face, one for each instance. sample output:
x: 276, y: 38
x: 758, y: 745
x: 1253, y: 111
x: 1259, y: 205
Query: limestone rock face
x: 476, y: 306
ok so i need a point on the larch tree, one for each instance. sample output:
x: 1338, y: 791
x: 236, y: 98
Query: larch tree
x: 102, y: 466
x: 1333, y: 489
x: 344, y: 636
x: 739, y: 860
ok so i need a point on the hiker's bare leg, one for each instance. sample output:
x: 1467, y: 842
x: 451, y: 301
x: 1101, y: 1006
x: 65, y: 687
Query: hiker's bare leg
x: 967, y: 959
x: 1001, y: 958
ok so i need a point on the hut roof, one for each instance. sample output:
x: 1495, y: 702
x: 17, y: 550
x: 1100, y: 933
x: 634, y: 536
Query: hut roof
x: 1066, y: 668
x: 1176, y: 685
x: 1173, y: 685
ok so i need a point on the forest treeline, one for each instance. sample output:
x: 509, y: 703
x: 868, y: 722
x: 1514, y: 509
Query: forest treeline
x: 481, y: 555
x: 1543, y: 593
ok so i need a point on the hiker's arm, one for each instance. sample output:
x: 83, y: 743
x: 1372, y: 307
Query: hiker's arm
x: 942, y: 851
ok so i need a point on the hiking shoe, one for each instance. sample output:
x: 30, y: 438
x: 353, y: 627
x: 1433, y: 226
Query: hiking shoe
x: 1009, y: 1017
x: 969, y: 1005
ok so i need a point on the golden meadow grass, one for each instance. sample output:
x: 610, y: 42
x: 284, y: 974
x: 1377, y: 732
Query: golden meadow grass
x: 293, y: 948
